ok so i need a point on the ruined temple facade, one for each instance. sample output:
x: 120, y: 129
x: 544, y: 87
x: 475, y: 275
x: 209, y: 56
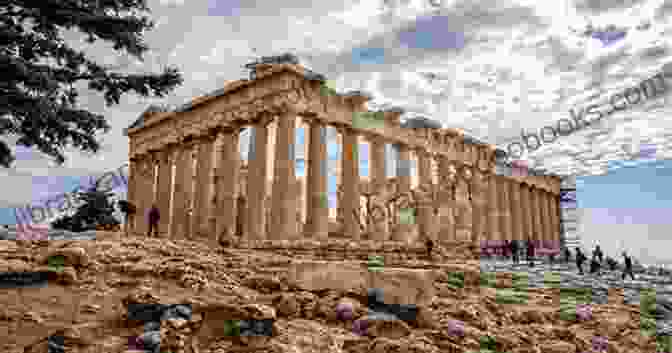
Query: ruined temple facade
x: 188, y: 163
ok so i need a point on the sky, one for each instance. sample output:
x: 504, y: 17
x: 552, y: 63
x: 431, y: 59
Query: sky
x: 492, y: 68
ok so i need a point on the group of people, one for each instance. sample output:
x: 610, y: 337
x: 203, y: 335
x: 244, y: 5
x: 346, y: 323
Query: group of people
x: 597, y: 260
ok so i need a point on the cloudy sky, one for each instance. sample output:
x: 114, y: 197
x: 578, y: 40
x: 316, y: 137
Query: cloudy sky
x: 491, y: 68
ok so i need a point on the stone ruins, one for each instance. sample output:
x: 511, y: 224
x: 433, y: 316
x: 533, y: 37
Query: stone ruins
x: 188, y: 163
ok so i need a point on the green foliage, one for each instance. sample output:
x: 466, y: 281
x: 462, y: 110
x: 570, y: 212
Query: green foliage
x: 232, y: 328
x: 40, y: 71
x: 95, y: 210
x: 376, y: 263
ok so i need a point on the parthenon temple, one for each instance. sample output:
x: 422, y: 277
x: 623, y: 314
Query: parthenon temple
x: 188, y: 163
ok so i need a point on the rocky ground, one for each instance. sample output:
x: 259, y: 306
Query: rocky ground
x: 298, y: 285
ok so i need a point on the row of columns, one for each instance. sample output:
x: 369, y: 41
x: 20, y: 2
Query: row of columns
x: 200, y: 192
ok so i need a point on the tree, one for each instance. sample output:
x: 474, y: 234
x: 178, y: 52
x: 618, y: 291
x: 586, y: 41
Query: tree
x: 95, y: 210
x: 38, y: 101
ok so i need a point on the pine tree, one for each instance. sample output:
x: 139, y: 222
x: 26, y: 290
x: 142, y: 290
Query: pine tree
x: 95, y: 210
x: 38, y: 99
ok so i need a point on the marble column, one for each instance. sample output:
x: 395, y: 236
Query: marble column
x: 145, y: 192
x: 377, y: 159
x: 446, y: 200
x: 203, y: 173
x: 540, y: 214
x: 524, y: 210
x: 256, y: 181
x: 228, y: 169
x: 350, y: 184
x: 493, y: 206
x: 514, y: 193
x: 479, y: 195
x: 425, y: 206
x: 283, y: 214
x: 543, y: 209
x: 193, y: 190
x: 163, y: 190
x: 404, y: 231
x: 554, y: 206
x: 534, y: 214
x: 503, y: 208
x: 131, y: 195
x: 180, y: 219
x: 317, y: 220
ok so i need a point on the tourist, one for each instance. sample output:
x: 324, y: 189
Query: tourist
x: 598, y: 253
x: 153, y: 221
x: 530, y: 252
x: 568, y: 254
x: 594, y: 265
x: 580, y: 258
x: 612, y: 263
x: 628, y: 267
x: 514, y: 250
x: 505, y: 249
x: 429, y: 243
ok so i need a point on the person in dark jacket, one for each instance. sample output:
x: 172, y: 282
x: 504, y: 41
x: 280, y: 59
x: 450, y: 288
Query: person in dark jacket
x: 612, y: 263
x: 429, y: 243
x: 568, y: 254
x: 597, y: 253
x: 595, y: 265
x: 153, y: 220
x: 628, y: 267
x: 530, y: 252
x: 580, y: 258
x: 514, y: 251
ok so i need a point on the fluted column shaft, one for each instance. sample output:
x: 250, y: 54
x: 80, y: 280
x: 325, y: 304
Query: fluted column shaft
x: 555, y: 217
x: 283, y: 214
x: 131, y: 195
x: 317, y: 220
x: 446, y: 221
x: 201, y: 197
x: 493, y: 203
x: 425, y: 210
x: 514, y: 192
x: 525, y: 230
x: 540, y: 214
x: 350, y: 184
x: 545, y: 219
x: 534, y: 228
x: 163, y: 190
x: 502, y: 206
x: 377, y: 160
x: 227, y: 172
x: 406, y: 230
x: 180, y: 204
x: 256, y: 182
x: 196, y: 161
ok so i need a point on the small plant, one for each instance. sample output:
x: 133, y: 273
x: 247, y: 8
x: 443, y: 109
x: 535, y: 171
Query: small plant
x: 456, y: 280
x: 407, y: 216
x: 376, y: 263
x: 56, y: 263
x: 232, y: 328
x: 488, y: 342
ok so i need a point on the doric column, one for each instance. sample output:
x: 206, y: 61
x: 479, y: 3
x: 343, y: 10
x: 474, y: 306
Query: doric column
x: 283, y: 214
x: 479, y: 194
x: 514, y: 193
x: 534, y: 215
x: 524, y: 211
x: 163, y: 189
x: 540, y: 214
x: 377, y: 159
x: 446, y: 200
x: 227, y: 171
x: 463, y: 207
x: 131, y: 195
x: 180, y: 205
x: 317, y: 220
x: 193, y: 190
x: 203, y: 174
x: 425, y: 209
x: 405, y: 228
x: 350, y: 183
x: 503, y: 208
x: 543, y: 205
x: 493, y: 206
x: 555, y: 216
x: 256, y: 180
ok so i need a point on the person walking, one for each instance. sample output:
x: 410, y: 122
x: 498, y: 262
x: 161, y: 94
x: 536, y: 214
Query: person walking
x: 530, y: 253
x: 153, y: 220
x: 628, y: 267
x: 580, y: 258
x: 429, y: 243
x: 612, y: 263
x: 568, y: 254
x: 598, y: 253
x: 595, y: 265
x: 514, y: 251
x: 505, y: 248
